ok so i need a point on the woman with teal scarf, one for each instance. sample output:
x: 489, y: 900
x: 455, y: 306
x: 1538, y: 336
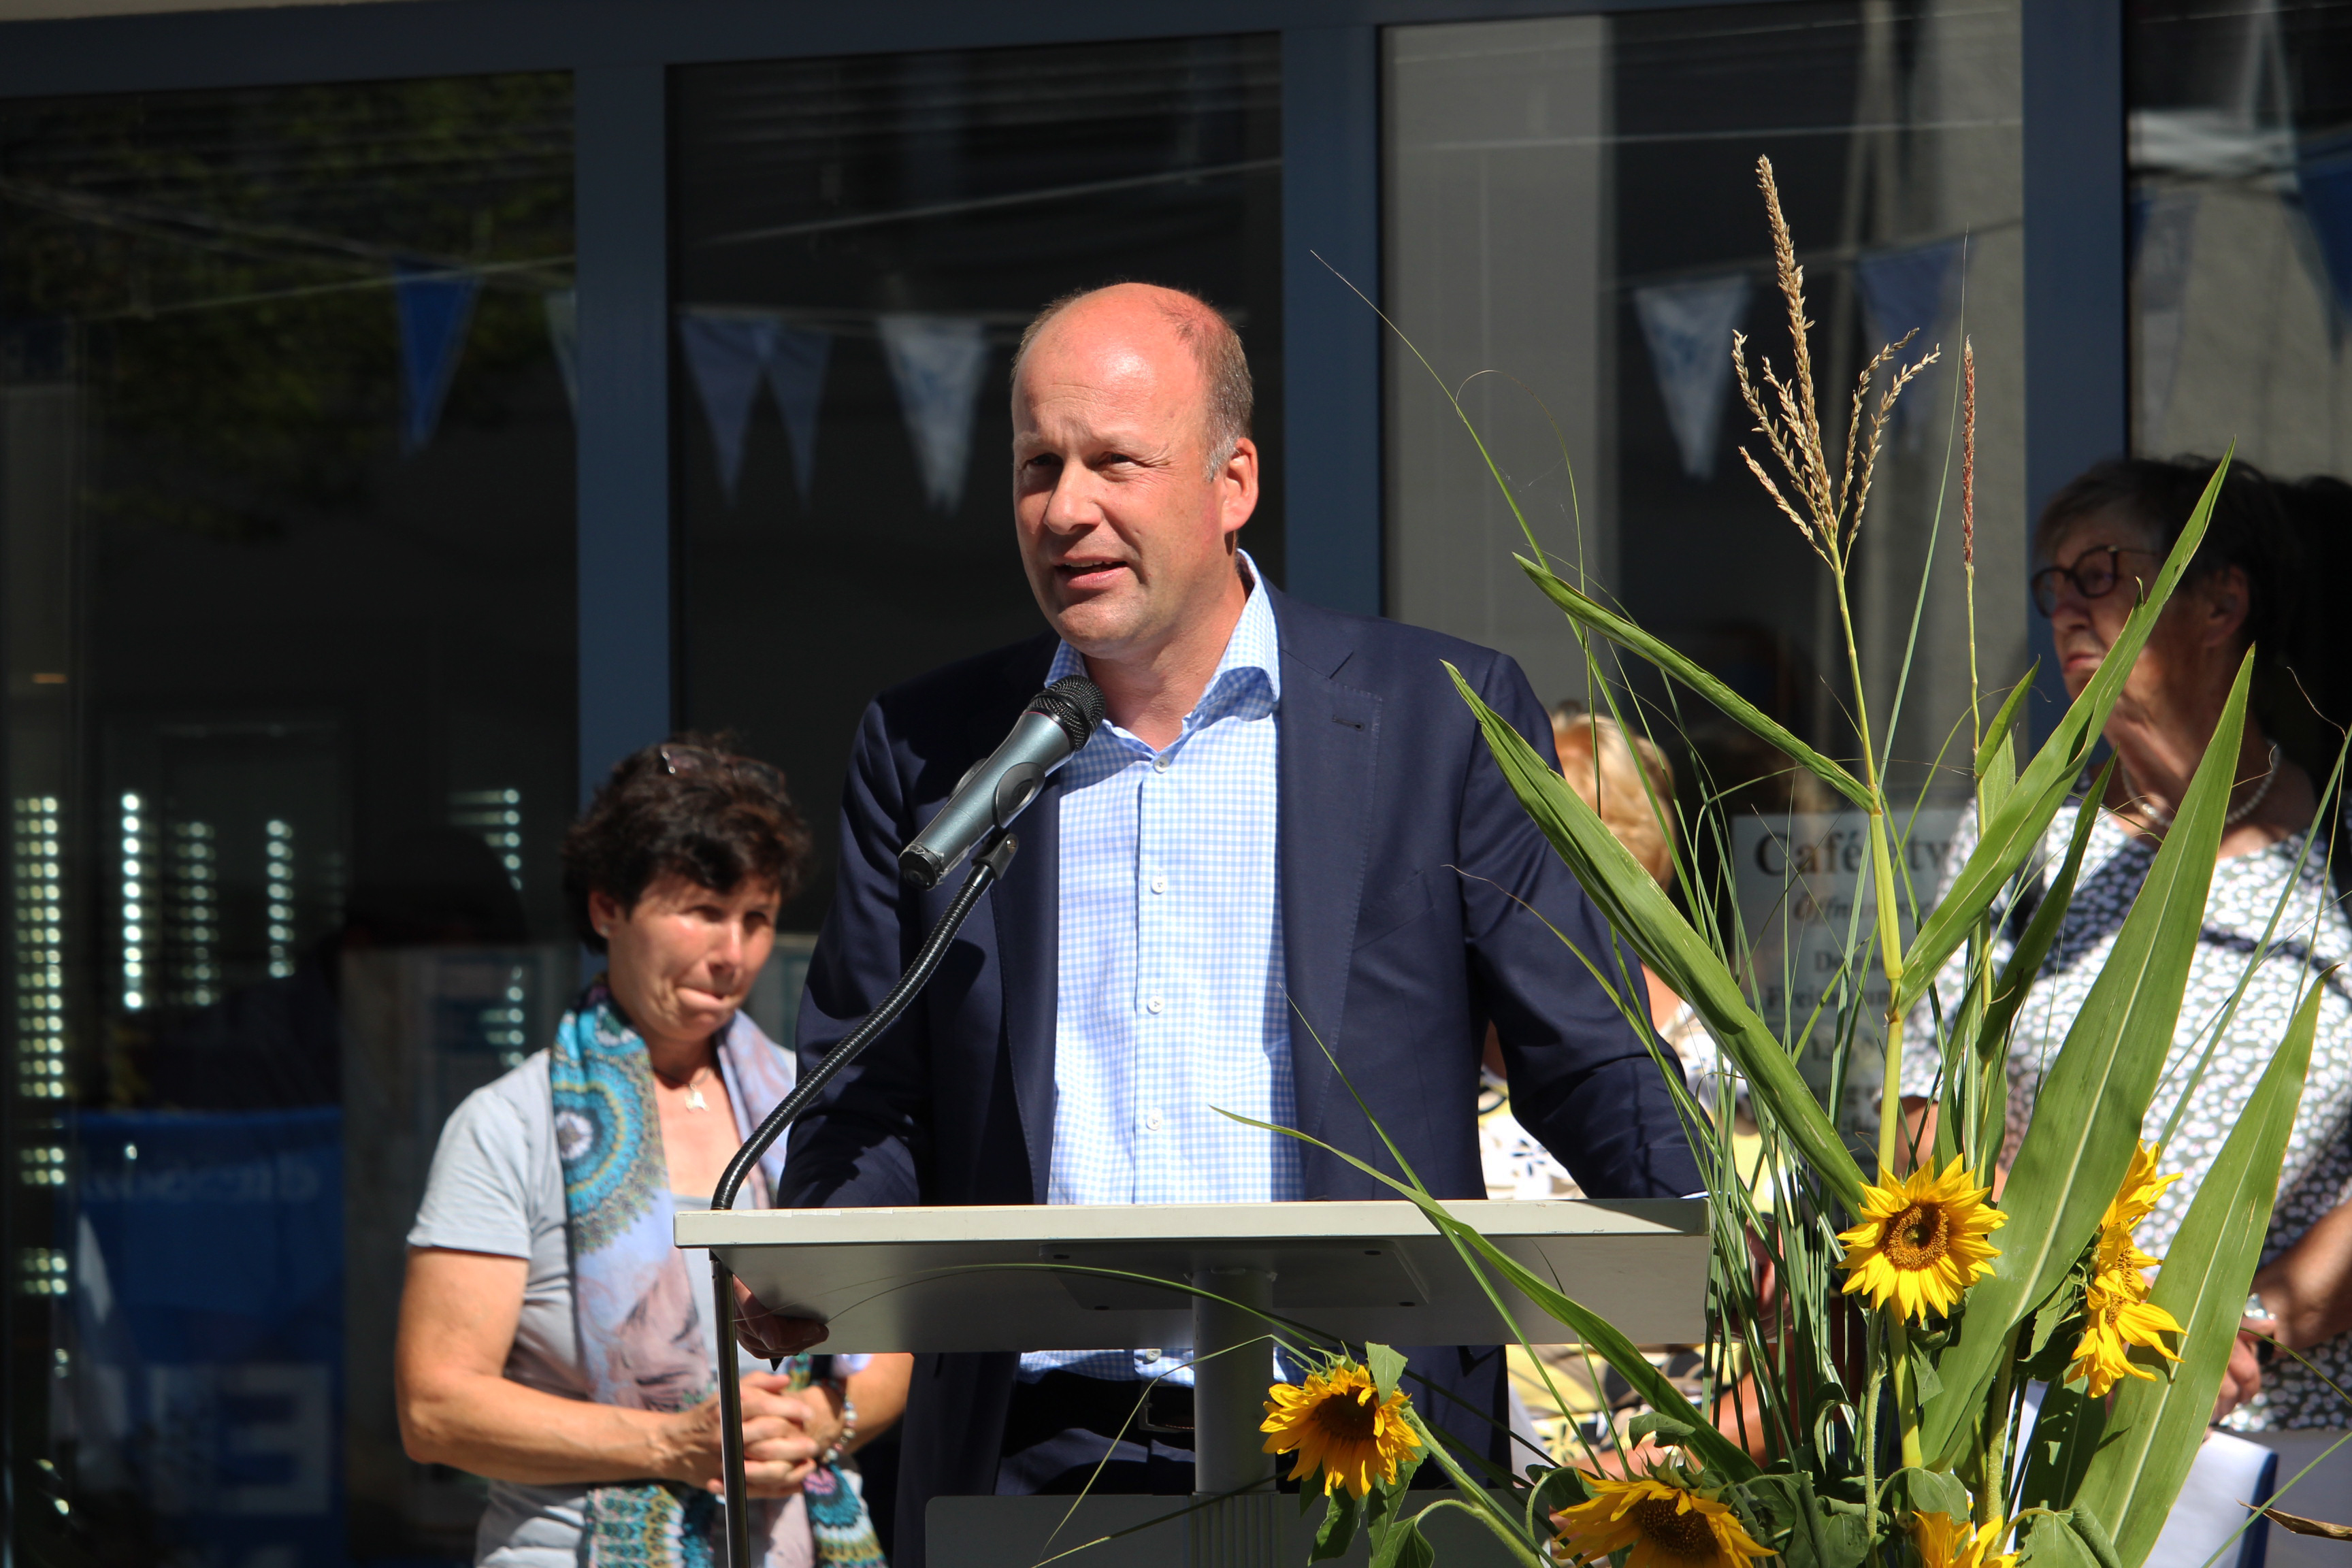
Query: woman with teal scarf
x: 553, y: 1339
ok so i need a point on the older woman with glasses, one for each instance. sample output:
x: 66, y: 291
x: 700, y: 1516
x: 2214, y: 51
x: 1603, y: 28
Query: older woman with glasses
x: 2101, y: 542
x: 553, y: 1339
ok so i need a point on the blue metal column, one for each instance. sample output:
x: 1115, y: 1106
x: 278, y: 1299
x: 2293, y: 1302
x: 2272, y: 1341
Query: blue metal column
x: 621, y: 215
x: 2077, y: 354
x: 1331, y: 339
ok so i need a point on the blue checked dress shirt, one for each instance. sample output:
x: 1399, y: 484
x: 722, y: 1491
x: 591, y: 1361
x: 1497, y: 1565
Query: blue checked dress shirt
x: 1170, y: 1005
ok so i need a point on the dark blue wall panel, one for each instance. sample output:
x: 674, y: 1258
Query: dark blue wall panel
x: 1331, y: 335
x: 624, y: 536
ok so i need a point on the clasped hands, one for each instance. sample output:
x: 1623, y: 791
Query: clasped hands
x: 786, y: 1431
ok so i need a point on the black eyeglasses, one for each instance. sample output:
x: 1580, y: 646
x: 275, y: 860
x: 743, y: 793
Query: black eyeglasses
x: 687, y: 762
x: 2094, y: 575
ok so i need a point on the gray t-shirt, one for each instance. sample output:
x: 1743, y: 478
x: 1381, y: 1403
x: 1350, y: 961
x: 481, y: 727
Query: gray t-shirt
x: 498, y: 1187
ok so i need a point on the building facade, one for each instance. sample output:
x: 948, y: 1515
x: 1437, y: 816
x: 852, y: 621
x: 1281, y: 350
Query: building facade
x: 409, y: 407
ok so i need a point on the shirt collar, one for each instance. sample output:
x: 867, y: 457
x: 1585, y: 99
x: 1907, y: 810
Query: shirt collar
x: 1255, y: 645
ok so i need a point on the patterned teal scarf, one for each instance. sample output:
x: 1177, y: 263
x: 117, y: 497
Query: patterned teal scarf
x: 641, y: 1340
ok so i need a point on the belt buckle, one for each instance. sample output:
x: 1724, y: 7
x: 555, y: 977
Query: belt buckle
x: 1167, y: 1410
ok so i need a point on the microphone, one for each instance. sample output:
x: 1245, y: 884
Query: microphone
x: 1048, y: 734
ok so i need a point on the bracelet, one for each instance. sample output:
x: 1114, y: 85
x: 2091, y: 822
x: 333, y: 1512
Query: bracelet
x: 840, y: 1447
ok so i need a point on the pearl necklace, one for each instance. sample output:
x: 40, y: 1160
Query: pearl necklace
x: 2160, y: 820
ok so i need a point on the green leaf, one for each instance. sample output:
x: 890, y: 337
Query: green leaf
x: 2067, y: 1434
x: 2203, y: 1285
x: 1997, y: 736
x: 2052, y: 1544
x: 1666, y: 1427
x: 2008, y: 992
x: 1925, y: 1378
x: 1404, y: 1546
x: 1589, y: 612
x: 1338, y: 1530
x: 1387, y: 1365
x: 2085, y: 1522
x: 1641, y: 913
x: 2010, y: 835
x: 1933, y: 1491
x: 2094, y: 1099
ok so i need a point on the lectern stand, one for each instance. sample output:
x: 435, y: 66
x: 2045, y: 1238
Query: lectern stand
x: 1033, y: 1278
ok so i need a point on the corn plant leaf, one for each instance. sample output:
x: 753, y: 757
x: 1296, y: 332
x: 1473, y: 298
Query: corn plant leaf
x: 1639, y: 911
x: 2010, y: 835
x: 2008, y: 992
x: 2094, y: 1099
x: 1996, y: 733
x: 2138, y: 1472
x: 1590, y: 612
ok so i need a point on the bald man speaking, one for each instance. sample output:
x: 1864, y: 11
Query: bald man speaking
x: 1287, y: 829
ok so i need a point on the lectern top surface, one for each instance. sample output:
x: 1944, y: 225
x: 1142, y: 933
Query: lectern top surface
x: 1180, y: 1222
x: 1055, y: 1277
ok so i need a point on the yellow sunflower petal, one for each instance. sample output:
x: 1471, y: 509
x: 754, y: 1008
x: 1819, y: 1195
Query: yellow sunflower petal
x: 1921, y: 1242
x: 1338, y: 1425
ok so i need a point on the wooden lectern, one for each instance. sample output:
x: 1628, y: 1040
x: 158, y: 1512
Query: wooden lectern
x: 1039, y: 1277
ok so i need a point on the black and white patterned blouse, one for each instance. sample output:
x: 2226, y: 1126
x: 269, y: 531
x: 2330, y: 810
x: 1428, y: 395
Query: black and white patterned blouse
x: 2312, y: 932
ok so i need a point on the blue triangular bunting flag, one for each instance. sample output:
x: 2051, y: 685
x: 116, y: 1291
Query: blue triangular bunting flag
x: 1688, y: 327
x: 436, y: 306
x: 561, y: 306
x: 726, y: 354
x: 2325, y: 175
x: 796, y: 360
x: 937, y: 362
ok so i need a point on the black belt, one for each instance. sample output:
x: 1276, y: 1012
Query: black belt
x: 1060, y: 1400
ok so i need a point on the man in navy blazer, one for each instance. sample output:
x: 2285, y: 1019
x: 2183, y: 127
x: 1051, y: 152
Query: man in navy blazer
x: 1413, y: 892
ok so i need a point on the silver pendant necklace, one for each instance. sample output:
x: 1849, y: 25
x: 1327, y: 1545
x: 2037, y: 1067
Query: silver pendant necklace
x: 694, y: 1100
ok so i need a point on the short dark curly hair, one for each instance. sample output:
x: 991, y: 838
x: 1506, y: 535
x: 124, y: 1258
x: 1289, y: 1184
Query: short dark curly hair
x: 2249, y: 530
x: 691, y: 806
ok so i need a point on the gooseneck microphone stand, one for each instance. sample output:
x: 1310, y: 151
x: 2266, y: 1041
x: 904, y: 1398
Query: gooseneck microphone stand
x: 989, y: 864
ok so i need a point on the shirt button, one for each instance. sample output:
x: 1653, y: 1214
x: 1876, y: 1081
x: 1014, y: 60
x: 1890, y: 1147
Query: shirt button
x: 1159, y: 884
x: 1157, y: 1005
x: 1152, y: 1123
x: 1159, y: 763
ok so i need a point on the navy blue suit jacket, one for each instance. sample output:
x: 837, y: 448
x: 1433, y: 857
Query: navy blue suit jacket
x: 1412, y: 882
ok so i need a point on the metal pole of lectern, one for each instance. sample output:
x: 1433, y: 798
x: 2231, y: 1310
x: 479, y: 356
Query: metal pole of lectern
x: 987, y: 866
x: 1228, y: 1404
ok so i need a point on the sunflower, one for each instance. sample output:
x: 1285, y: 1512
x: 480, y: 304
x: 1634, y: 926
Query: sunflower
x: 1667, y: 1526
x: 1921, y: 1241
x: 1339, y: 1425
x: 1947, y: 1542
x: 2113, y: 1322
x: 2117, y: 1260
x: 2142, y: 1187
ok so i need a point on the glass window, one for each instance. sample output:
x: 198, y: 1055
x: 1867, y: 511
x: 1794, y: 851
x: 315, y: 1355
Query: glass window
x: 859, y: 242
x: 1574, y: 231
x: 286, y: 545
x: 2241, y: 136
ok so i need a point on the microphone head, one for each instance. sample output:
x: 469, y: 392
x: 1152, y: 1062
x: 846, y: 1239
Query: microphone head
x: 1075, y: 703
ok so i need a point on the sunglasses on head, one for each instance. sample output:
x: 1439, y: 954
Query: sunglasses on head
x: 681, y: 762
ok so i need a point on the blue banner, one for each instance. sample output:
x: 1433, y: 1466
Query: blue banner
x: 207, y: 1359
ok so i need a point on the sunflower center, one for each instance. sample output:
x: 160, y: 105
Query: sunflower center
x: 1346, y: 1417
x: 1678, y: 1533
x: 1920, y: 1237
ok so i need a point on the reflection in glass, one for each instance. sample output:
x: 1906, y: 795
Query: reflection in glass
x: 2241, y: 125
x: 285, y: 541
x: 1572, y: 210
x: 859, y: 243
